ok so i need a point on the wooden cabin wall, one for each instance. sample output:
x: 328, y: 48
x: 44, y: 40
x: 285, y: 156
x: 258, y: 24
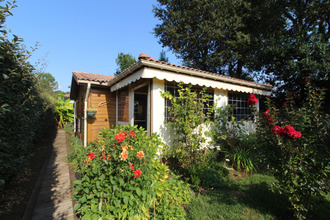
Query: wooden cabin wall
x: 105, y: 103
x: 123, y: 105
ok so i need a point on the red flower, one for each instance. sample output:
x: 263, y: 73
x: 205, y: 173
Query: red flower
x: 120, y: 137
x: 276, y: 129
x: 252, y: 99
x: 125, y: 133
x: 291, y: 132
x: 270, y: 121
x: 131, y: 166
x: 286, y: 131
x: 266, y: 113
x: 132, y: 134
x: 91, y: 155
x: 137, y: 173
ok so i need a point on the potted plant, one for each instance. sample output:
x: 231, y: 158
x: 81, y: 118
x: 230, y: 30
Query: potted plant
x: 91, y: 111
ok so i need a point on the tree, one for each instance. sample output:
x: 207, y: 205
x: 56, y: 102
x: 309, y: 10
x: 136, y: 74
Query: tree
x: 278, y: 42
x: 300, y: 50
x: 48, y: 85
x: 162, y: 56
x: 219, y: 36
x: 124, y: 61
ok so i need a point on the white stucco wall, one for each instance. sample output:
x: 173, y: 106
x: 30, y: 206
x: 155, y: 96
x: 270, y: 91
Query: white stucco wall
x: 158, y: 106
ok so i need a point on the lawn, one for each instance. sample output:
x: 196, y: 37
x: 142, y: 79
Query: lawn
x: 248, y: 198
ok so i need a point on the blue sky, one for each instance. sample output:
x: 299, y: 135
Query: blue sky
x: 85, y: 35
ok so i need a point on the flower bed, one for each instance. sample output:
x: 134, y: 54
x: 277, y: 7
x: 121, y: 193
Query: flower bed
x: 120, y: 178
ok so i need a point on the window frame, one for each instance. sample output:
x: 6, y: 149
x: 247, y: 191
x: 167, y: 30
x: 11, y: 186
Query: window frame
x: 240, y: 108
x: 173, y: 88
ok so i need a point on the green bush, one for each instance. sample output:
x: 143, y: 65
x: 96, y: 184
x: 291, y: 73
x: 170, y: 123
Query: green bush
x: 297, y: 146
x: 242, y: 159
x: 25, y: 113
x: 68, y: 127
x: 188, y: 118
x: 120, y: 177
x: 172, y: 197
x: 64, y: 111
x: 211, y: 178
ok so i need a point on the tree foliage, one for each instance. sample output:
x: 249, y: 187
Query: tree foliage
x: 64, y: 111
x: 124, y: 61
x: 219, y: 36
x: 279, y: 42
x: 24, y: 112
x: 300, y: 50
x: 163, y: 57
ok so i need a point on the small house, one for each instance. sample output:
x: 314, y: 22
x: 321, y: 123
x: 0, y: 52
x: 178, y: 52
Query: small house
x: 134, y: 96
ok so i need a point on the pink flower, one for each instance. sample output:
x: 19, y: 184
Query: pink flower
x: 91, y: 155
x: 140, y: 154
x: 252, y: 99
x: 266, y: 113
x: 137, y: 173
x: 124, y: 155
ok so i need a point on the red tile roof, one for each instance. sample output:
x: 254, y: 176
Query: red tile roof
x: 92, y: 77
x: 144, y: 56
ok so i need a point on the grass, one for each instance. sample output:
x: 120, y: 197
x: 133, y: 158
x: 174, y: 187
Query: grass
x: 248, y: 198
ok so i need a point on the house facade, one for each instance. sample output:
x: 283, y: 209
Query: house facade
x: 134, y: 96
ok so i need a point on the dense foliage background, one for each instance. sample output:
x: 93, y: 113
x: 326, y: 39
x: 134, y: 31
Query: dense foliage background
x: 278, y: 42
x: 26, y: 108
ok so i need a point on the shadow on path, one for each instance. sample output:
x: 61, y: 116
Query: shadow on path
x: 54, y: 198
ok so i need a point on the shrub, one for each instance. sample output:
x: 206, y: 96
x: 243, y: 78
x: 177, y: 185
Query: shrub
x: 63, y: 111
x: 24, y: 111
x: 120, y: 176
x: 234, y: 141
x: 211, y: 178
x: 242, y: 159
x: 187, y: 125
x: 68, y: 128
x: 172, y: 197
x: 297, y: 148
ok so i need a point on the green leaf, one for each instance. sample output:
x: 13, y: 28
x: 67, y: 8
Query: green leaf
x: 77, y: 206
x: 125, y: 215
x: 121, y: 181
x: 126, y: 199
x: 87, y: 217
x: 138, y: 191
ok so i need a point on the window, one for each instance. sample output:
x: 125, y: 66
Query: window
x: 173, y: 88
x: 238, y: 102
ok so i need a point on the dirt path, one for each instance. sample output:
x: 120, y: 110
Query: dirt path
x: 54, y: 198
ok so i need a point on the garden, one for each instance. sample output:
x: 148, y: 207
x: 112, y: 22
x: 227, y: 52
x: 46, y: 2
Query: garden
x: 278, y: 172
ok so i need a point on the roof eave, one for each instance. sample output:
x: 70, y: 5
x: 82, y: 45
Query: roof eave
x: 151, y: 64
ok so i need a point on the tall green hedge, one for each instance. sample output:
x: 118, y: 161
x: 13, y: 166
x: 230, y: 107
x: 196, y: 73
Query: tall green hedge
x: 24, y: 111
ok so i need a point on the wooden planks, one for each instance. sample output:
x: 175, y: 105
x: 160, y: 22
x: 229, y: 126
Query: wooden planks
x: 105, y: 103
